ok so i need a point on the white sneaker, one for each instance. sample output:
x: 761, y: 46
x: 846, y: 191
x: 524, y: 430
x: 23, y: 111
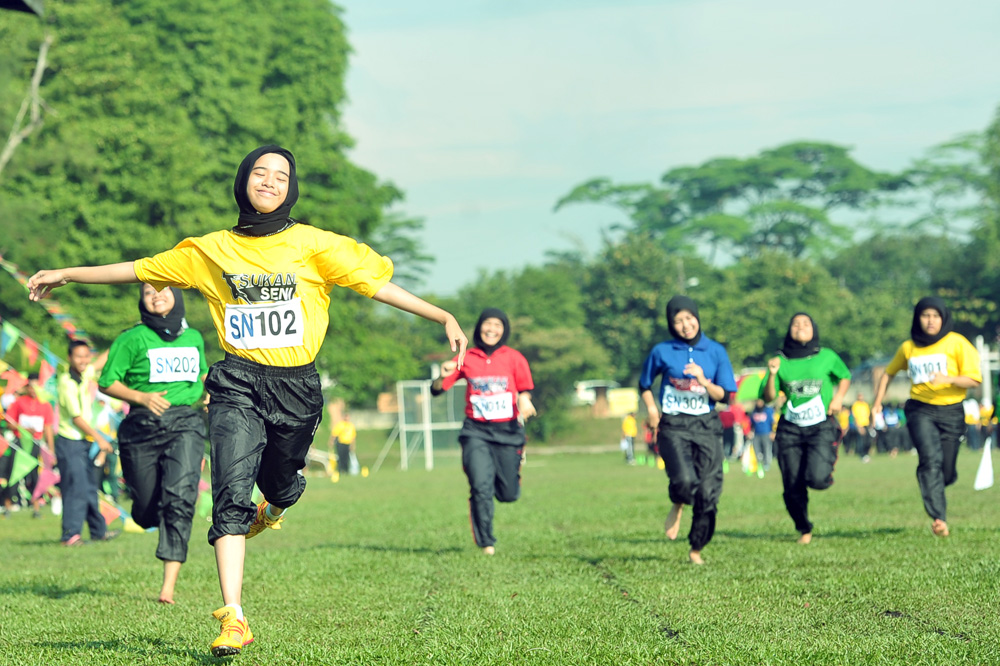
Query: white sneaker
x: 57, y: 506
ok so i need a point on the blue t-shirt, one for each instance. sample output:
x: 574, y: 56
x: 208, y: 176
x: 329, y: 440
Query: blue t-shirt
x: 680, y: 393
x: 763, y: 420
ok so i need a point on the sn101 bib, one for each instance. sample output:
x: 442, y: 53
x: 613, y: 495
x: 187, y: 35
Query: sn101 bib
x: 265, y: 325
x: 922, y: 368
x: 678, y: 401
x: 493, y: 407
x: 173, y: 364
x: 808, y: 413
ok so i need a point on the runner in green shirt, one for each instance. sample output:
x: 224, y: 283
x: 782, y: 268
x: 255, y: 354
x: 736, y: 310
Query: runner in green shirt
x: 814, y: 380
x: 158, y: 366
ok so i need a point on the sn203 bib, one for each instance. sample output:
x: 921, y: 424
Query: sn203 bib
x: 493, y: 407
x: 808, y: 413
x: 173, y: 364
x: 678, y: 401
x: 265, y: 325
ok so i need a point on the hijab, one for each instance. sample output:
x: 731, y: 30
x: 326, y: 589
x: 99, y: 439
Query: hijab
x: 676, y: 305
x: 169, y: 326
x: 477, y: 337
x: 917, y: 334
x: 251, y: 221
x: 795, y: 349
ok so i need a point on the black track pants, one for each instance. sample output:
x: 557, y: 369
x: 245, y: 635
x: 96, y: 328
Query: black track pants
x: 691, y: 448
x: 493, y: 470
x: 935, y: 431
x: 161, y: 462
x: 806, y: 457
x: 261, y: 422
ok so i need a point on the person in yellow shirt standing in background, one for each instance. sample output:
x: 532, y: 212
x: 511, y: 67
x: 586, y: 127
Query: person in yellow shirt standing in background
x: 630, y: 430
x: 862, y: 414
x: 342, y: 437
x: 267, y: 282
x: 943, y: 366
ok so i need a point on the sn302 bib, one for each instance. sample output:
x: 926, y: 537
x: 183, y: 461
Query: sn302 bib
x: 493, y: 407
x: 679, y: 401
x: 265, y: 325
x: 922, y: 368
x: 173, y: 364
x: 808, y: 413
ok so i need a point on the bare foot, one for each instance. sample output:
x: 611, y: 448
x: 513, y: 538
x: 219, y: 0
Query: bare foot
x: 805, y: 538
x: 939, y: 527
x: 489, y: 550
x: 165, y: 600
x: 695, y: 557
x: 673, y: 524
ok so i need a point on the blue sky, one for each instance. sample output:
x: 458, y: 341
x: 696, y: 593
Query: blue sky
x: 485, y: 113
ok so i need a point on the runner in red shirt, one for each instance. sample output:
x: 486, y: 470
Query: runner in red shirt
x: 35, y: 416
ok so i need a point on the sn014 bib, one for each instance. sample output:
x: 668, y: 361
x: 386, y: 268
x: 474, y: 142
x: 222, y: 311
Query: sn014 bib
x: 265, y: 325
x: 493, y: 407
x: 808, y: 413
x: 173, y: 364
x: 679, y: 401
x: 922, y: 368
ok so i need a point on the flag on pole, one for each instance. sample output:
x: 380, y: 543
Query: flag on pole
x: 984, y: 475
x: 23, y: 464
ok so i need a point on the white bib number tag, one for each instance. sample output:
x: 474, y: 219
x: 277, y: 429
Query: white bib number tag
x: 173, y: 364
x: 265, y: 325
x: 678, y: 401
x: 922, y: 368
x: 808, y: 413
x: 493, y: 407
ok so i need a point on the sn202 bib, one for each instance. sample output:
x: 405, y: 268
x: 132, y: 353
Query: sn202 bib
x: 265, y: 325
x: 173, y: 364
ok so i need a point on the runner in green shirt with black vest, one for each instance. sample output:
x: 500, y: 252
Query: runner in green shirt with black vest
x: 814, y: 380
x: 158, y: 366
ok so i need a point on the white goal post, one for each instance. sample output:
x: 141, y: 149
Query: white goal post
x: 427, y: 420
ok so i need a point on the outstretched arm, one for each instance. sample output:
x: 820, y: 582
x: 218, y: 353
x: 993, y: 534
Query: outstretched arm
x: 399, y: 298
x: 42, y: 282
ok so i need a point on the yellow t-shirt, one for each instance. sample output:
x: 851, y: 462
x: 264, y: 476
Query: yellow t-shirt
x: 862, y: 412
x: 269, y: 295
x: 74, y: 400
x: 629, y: 427
x: 952, y: 355
x: 344, y: 432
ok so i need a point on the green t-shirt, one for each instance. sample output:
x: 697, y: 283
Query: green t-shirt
x: 143, y: 361
x: 802, y: 379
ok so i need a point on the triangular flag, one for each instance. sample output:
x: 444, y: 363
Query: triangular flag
x: 110, y: 512
x: 32, y: 349
x: 46, y: 479
x: 45, y: 371
x: 984, y: 475
x: 8, y: 336
x: 22, y: 466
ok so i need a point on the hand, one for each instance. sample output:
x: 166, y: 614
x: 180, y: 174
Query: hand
x: 877, y: 407
x: 448, y: 367
x: 43, y: 282
x: 104, y: 445
x: 525, y: 408
x: 774, y: 364
x: 695, y: 371
x: 653, y: 420
x: 456, y: 338
x: 155, y: 402
x: 835, y: 406
x: 939, y: 378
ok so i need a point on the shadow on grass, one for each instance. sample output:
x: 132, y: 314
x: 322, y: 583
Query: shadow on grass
x: 834, y: 534
x: 379, y: 548
x: 139, y: 646
x: 50, y: 591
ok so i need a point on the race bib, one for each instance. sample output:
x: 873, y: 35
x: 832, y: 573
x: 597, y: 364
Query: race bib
x: 678, y: 401
x: 922, y: 368
x: 173, y: 364
x: 493, y: 407
x: 32, y: 423
x: 808, y: 413
x: 265, y: 325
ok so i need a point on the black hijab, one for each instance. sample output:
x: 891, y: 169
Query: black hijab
x: 677, y: 304
x: 795, y: 349
x: 171, y: 325
x: 477, y: 338
x: 917, y: 334
x: 251, y: 221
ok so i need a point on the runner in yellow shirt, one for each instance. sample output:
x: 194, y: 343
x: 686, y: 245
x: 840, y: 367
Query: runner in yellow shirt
x: 267, y: 282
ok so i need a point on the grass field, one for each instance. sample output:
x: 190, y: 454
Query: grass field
x: 382, y: 570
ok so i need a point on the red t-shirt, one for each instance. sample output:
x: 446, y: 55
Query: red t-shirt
x: 31, y: 414
x: 493, y: 383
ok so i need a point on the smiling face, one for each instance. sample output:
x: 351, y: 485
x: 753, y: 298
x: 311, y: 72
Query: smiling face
x: 79, y: 358
x: 801, y: 329
x: 491, y: 331
x: 157, y: 302
x: 267, y: 185
x: 930, y: 321
x: 686, y: 324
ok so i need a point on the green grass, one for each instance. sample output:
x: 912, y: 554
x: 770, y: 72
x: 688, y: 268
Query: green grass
x: 383, y: 570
